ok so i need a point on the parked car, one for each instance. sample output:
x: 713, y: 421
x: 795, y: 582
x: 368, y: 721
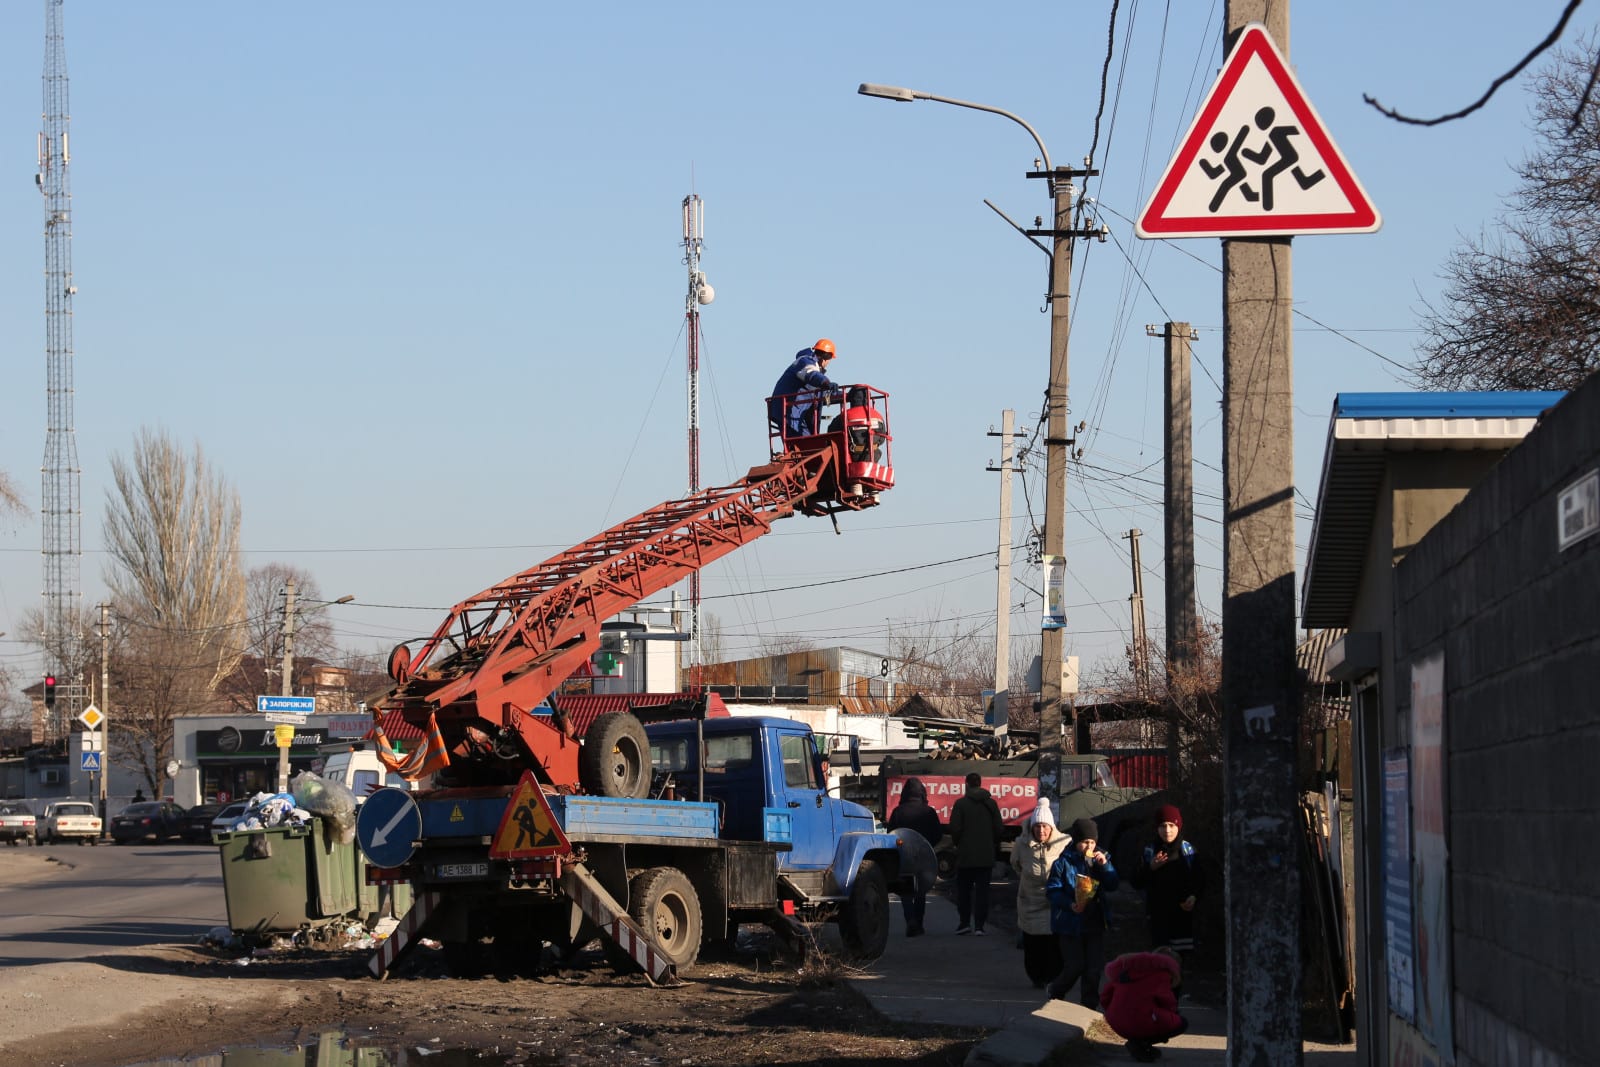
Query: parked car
x: 70, y: 820
x: 197, y: 822
x: 17, y: 823
x: 229, y: 815
x: 158, y: 819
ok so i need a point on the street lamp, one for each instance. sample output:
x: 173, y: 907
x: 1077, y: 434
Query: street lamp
x: 290, y: 613
x: 1057, y: 443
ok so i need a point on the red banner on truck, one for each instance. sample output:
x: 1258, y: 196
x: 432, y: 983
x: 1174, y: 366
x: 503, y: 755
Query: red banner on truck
x: 1015, y: 796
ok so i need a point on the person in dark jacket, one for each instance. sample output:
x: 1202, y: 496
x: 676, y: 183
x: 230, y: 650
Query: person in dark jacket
x: 977, y: 829
x: 804, y: 383
x: 1076, y: 887
x: 1172, y: 881
x: 914, y: 813
x: 1140, y: 1001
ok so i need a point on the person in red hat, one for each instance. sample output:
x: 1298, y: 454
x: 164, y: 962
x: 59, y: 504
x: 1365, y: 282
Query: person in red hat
x: 1172, y: 881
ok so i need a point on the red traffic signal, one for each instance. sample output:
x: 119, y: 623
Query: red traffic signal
x: 49, y: 690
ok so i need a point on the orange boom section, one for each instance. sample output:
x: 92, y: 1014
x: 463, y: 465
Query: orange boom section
x: 500, y: 653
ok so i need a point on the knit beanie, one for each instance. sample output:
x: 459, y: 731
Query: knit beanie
x: 1170, y: 813
x: 1041, y: 814
x: 1085, y: 830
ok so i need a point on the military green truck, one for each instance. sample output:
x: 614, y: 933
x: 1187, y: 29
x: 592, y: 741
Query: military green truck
x: 1087, y: 789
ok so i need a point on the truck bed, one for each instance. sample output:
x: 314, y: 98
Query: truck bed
x: 477, y: 814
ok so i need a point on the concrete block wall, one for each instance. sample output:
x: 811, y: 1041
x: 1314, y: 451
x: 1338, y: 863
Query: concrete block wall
x: 1519, y: 624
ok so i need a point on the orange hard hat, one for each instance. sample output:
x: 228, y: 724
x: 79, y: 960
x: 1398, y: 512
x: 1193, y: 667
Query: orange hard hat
x: 824, y: 347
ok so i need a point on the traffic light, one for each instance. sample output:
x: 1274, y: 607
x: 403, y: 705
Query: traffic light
x: 49, y: 690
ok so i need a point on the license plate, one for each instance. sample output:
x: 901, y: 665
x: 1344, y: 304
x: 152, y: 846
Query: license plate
x: 463, y: 870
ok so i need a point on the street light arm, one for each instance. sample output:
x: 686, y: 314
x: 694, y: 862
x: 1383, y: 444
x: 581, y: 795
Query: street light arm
x: 895, y: 92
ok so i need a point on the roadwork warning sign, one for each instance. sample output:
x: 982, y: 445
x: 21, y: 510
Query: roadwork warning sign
x: 1258, y: 161
x: 528, y: 829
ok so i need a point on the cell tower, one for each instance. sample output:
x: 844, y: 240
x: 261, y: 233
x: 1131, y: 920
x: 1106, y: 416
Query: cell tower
x: 694, y: 235
x: 63, y: 519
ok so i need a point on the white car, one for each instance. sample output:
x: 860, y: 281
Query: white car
x: 229, y: 815
x: 69, y: 820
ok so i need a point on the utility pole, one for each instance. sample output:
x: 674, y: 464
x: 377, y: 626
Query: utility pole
x: 1178, y: 483
x: 105, y: 708
x: 288, y: 676
x: 1055, y: 708
x: 1139, y: 654
x: 1002, y: 588
x: 1260, y: 696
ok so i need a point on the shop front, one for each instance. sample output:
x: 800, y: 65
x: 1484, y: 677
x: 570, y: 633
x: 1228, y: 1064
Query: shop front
x: 228, y: 758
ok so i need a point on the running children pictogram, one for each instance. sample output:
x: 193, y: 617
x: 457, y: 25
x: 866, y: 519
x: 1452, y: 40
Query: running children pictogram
x: 1257, y: 161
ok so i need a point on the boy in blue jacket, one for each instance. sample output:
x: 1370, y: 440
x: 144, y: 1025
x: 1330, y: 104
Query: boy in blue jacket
x: 1078, y: 880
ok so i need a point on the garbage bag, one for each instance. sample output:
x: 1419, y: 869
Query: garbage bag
x: 331, y: 801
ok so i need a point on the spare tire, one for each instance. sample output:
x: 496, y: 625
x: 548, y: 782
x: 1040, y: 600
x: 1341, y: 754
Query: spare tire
x: 615, y: 758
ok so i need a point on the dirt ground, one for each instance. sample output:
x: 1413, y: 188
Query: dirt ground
x: 758, y: 1006
x: 179, y: 1001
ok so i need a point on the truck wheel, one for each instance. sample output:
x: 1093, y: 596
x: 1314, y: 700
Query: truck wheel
x: 864, y: 920
x: 615, y: 758
x: 664, y: 904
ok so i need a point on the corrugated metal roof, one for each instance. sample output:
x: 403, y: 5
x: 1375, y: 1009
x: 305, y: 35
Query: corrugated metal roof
x: 582, y: 710
x: 1364, y: 429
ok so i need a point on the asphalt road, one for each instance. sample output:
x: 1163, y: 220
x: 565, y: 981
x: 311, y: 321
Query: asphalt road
x: 65, y: 902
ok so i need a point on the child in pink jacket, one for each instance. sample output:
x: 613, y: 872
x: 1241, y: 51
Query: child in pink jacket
x: 1139, y: 1001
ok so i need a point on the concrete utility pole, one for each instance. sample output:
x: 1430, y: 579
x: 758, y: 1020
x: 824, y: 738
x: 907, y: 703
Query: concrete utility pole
x: 1002, y: 587
x: 288, y: 676
x: 105, y: 709
x: 1055, y: 707
x: 1260, y: 695
x: 1178, y: 479
x: 1059, y: 180
x: 1139, y: 658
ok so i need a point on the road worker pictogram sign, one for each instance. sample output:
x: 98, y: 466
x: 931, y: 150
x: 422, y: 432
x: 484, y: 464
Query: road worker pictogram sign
x: 528, y: 829
x: 1257, y: 162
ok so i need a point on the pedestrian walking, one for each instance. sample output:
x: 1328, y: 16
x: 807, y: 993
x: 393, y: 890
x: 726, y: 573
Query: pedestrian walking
x: 1139, y: 999
x: 1032, y: 855
x: 977, y: 828
x: 1172, y: 881
x: 1078, y: 882
x: 914, y: 813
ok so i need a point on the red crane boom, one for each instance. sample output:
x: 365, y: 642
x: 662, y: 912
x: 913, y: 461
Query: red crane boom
x: 500, y: 653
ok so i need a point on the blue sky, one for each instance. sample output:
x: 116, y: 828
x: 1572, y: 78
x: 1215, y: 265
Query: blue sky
x: 411, y: 274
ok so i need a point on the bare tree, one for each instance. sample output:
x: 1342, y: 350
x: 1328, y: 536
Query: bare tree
x: 178, y: 594
x: 1522, y: 306
x: 10, y: 500
x: 258, y: 668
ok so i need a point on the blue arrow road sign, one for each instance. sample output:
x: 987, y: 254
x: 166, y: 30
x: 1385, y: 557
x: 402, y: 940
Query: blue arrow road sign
x: 91, y: 761
x: 294, y: 705
x: 387, y: 827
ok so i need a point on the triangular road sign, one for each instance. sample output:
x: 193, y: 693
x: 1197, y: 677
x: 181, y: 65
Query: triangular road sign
x: 1257, y: 162
x: 528, y: 829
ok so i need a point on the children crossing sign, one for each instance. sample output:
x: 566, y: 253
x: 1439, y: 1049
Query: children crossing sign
x: 1257, y: 162
x: 529, y: 829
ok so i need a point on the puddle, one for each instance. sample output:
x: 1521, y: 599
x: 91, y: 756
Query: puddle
x: 335, y: 1048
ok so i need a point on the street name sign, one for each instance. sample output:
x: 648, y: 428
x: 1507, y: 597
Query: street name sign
x: 1258, y: 161
x: 285, y: 717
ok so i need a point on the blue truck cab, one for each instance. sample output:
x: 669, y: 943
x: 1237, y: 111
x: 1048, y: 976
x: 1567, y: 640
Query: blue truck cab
x: 764, y: 774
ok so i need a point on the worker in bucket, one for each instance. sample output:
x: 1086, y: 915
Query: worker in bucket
x: 804, y: 385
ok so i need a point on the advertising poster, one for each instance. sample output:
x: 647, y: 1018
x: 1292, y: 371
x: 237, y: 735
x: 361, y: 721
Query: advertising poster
x: 1431, y: 873
x: 1397, y: 936
x: 1055, y: 593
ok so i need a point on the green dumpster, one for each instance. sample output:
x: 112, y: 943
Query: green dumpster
x: 286, y: 878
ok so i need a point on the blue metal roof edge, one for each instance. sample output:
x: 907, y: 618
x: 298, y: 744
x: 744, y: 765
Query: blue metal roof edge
x: 1505, y: 404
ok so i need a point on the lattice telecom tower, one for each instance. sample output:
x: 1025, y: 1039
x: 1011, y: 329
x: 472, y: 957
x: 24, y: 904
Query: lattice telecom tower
x: 63, y: 519
x: 694, y: 236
